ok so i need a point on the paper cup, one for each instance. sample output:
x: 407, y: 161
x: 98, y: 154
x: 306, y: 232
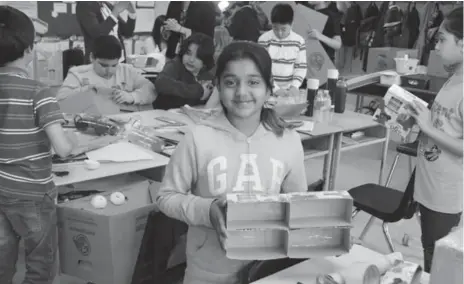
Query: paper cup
x: 312, y: 84
x: 332, y: 74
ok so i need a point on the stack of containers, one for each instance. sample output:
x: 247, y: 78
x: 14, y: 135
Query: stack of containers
x: 296, y: 225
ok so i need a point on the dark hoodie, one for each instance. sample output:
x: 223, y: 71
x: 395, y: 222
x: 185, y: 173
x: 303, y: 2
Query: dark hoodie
x: 176, y: 86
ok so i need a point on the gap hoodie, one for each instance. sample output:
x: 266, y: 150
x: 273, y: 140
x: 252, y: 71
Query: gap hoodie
x: 214, y: 159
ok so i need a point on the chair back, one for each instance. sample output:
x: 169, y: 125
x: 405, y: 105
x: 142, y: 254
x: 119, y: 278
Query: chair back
x: 407, y: 206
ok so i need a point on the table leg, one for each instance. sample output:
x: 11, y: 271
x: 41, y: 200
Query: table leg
x: 383, y: 161
x: 328, y: 163
x: 337, y: 149
x: 358, y: 102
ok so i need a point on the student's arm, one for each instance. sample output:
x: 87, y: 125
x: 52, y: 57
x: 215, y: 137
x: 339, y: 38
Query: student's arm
x: 71, y: 85
x: 334, y: 43
x: 48, y: 116
x: 126, y: 29
x: 144, y: 90
x: 168, y: 83
x: 299, y: 71
x: 175, y: 198
x: 264, y: 41
x: 443, y: 140
x: 295, y: 181
x: 86, y: 15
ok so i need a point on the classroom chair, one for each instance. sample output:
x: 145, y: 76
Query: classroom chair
x: 385, y: 203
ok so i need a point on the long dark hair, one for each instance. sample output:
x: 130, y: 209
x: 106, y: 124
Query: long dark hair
x: 453, y: 23
x: 249, y: 50
x: 156, y: 31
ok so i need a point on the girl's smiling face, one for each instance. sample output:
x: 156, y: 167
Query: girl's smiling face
x: 242, y: 89
x: 448, y: 47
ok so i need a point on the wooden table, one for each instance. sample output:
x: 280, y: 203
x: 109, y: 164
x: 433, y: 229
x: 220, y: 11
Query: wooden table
x: 307, y: 271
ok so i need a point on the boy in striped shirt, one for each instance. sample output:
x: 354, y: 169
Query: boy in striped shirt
x: 29, y: 125
x: 287, y: 50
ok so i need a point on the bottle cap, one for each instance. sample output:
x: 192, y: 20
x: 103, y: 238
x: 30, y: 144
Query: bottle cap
x: 312, y: 84
x: 332, y: 74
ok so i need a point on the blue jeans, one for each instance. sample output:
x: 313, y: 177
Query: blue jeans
x: 35, y: 223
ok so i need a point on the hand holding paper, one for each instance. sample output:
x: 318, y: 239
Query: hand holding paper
x: 122, y: 97
x: 420, y: 113
x: 217, y: 213
x: 314, y: 34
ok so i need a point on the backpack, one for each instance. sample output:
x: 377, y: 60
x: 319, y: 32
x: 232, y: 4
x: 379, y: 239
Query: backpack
x: 353, y: 18
x: 413, y: 25
x: 393, y: 25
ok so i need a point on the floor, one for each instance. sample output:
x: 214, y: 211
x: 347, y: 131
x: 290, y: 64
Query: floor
x: 356, y: 167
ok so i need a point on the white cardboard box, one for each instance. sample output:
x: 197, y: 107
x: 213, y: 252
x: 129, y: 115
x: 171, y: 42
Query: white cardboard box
x: 448, y: 259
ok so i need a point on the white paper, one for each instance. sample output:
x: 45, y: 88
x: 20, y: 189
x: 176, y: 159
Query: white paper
x: 120, y: 152
x: 60, y: 8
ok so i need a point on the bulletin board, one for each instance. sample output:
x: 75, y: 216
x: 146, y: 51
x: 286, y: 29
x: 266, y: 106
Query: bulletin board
x: 61, y: 18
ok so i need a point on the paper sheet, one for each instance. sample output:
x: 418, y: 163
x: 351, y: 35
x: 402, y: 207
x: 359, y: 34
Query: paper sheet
x: 120, y: 152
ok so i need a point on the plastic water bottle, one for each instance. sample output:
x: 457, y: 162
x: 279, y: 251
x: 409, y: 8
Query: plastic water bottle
x: 322, y: 106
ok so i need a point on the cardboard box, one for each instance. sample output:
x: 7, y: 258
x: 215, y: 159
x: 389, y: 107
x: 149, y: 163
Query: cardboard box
x: 435, y: 66
x: 256, y: 244
x: 448, y: 259
x: 102, y: 245
x: 318, y: 242
x: 383, y: 58
x: 298, y: 225
x: 268, y: 213
x: 320, y: 209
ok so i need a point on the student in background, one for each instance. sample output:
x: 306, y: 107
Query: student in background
x: 98, y: 18
x: 330, y: 36
x: 439, y: 181
x: 185, y: 18
x: 233, y: 152
x: 157, y: 41
x: 186, y: 80
x: 30, y: 125
x: 244, y: 22
x: 105, y: 73
x: 287, y: 50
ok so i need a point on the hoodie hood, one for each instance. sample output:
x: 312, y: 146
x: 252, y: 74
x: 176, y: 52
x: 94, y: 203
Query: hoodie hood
x: 220, y: 122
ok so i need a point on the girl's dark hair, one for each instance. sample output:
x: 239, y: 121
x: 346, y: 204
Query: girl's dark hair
x: 17, y: 34
x: 205, y: 51
x: 249, y: 50
x: 453, y: 23
x: 156, y: 31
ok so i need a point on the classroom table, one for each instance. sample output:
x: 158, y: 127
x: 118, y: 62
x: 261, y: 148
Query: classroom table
x: 331, y: 131
x: 306, y: 272
x: 379, y: 90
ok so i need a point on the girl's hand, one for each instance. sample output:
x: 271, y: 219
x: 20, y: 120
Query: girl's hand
x: 421, y: 114
x: 314, y: 34
x: 172, y: 25
x: 207, y: 90
x: 217, y: 215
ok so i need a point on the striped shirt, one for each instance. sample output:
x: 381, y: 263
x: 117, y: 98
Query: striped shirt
x: 288, y: 58
x: 26, y: 108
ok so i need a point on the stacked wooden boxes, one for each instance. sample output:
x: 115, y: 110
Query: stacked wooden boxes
x: 296, y: 225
